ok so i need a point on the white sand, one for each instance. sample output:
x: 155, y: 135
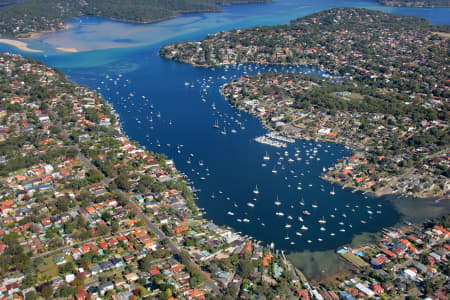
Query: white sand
x: 63, y: 49
x: 19, y: 45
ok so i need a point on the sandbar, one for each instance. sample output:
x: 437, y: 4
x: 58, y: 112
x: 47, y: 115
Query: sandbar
x: 64, y: 49
x: 19, y: 45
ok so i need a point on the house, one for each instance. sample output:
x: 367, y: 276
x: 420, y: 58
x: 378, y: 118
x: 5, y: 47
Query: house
x: 377, y: 288
x: 123, y: 296
x: 104, y: 287
x: 410, y: 273
x: 379, y: 260
x: 119, y: 282
x: 69, y: 278
x: 59, y: 260
x: 365, y: 289
x: 131, y: 277
x: 106, y: 266
x: 117, y: 262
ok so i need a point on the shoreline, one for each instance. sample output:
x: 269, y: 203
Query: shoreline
x: 426, y: 208
x: 380, y: 193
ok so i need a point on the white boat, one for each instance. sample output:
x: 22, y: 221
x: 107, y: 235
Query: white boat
x: 342, y: 230
x: 279, y: 213
x: 322, y: 228
x: 277, y: 203
x: 251, y: 204
x: 333, y: 192
x: 332, y: 234
x: 322, y: 221
x: 256, y: 191
x: 298, y: 233
x: 300, y: 219
x: 304, y: 227
x: 230, y: 213
x: 246, y: 220
x: 320, y: 240
x: 305, y: 212
x: 288, y: 226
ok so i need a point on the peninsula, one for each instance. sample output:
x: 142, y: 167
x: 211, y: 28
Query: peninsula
x: 383, y: 92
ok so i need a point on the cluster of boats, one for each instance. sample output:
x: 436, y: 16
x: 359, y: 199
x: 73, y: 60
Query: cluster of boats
x: 308, y: 218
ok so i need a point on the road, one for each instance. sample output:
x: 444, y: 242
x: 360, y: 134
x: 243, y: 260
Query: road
x: 149, y: 224
x: 64, y: 249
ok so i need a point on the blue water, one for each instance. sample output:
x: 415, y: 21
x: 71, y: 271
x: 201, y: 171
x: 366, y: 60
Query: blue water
x: 234, y: 160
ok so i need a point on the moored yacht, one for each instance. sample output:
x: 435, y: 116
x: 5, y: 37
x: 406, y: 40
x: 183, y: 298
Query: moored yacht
x: 256, y: 191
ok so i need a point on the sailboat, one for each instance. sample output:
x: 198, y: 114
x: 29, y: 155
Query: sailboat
x: 224, y: 131
x: 333, y: 192
x: 274, y: 170
x: 302, y: 202
x: 277, y: 203
x: 322, y: 221
x: 256, y: 191
x: 216, y: 124
x: 314, y: 205
x: 266, y: 157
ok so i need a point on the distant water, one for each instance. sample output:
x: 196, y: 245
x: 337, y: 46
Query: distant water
x: 234, y: 160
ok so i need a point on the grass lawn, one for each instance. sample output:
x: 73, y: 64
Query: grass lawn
x: 48, y: 268
x: 355, y: 260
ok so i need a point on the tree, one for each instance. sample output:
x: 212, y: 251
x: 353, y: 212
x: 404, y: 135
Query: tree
x: 68, y: 227
x: 102, y: 229
x: 31, y: 296
x: 122, y: 182
x: 46, y: 291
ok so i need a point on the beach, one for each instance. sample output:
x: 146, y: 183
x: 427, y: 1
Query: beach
x: 19, y: 45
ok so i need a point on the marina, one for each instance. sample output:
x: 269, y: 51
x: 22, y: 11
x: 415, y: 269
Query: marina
x: 232, y: 152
